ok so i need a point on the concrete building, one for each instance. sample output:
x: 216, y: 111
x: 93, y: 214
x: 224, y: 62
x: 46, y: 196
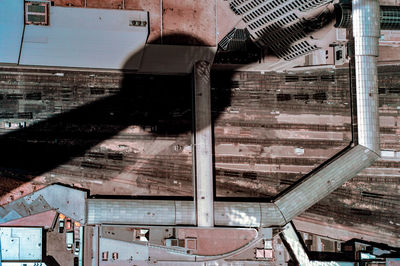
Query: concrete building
x: 21, y: 244
x: 75, y: 37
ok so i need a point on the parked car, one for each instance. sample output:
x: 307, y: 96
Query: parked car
x: 61, y: 225
x: 76, y: 252
x: 115, y: 255
x: 68, y: 224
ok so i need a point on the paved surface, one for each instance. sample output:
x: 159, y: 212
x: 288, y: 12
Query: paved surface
x: 75, y: 3
x: 57, y: 248
x: 111, y: 4
x: 226, y: 19
x: 88, y: 248
x: 154, y: 9
x: 196, y: 19
x: 217, y: 241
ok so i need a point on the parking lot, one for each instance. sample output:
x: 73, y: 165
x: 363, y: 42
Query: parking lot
x: 57, y: 246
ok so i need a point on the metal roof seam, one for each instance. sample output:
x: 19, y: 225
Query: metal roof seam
x: 283, y: 216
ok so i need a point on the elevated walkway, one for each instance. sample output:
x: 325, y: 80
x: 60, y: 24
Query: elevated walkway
x: 282, y: 210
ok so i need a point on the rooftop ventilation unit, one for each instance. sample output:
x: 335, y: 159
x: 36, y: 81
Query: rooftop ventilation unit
x: 36, y: 13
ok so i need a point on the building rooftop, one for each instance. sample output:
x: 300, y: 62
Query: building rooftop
x: 21, y: 243
x: 11, y: 25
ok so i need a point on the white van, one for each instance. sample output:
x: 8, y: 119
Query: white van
x: 69, y: 238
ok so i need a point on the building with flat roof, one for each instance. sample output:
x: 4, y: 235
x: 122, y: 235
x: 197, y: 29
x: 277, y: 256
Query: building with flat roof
x: 21, y: 244
x: 71, y: 37
x: 11, y: 30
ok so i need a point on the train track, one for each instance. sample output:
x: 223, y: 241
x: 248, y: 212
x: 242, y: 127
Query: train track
x: 262, y: 97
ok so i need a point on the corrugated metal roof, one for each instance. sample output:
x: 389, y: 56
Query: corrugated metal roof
x: 366, y: 31
x: 187, y: 215
x: 155, y: 212
x: 151, y: 212
x: 271, y: 215
x: 86, y: 37
x: 325, y: 181
x: 11, y: 28
x: 246, y: 214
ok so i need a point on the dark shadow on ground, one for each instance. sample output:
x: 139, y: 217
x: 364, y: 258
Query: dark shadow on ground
x: 237, y: 47
x: 161, y: 104
x: 49, y: 260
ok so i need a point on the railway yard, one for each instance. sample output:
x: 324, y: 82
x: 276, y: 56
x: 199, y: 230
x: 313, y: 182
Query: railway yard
x: 128, y: 134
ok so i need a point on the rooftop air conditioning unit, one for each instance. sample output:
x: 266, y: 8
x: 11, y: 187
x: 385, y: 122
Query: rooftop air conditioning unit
x: 36, y: 13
